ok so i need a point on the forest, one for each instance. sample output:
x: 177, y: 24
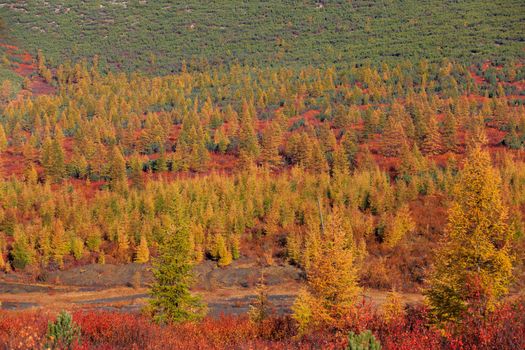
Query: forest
x: 356, y: 142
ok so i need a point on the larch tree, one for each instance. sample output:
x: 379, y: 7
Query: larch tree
x: 331, y: 288
x: 450, y: 132
x: 401, y: 224
x: 431, y: 143
x: 393, y: 138
x: 221, y: 252
x: 248, y: 143
x: 393, y: 308
x: 3, y: 139
x: 59, y: 244
x: 316, y: 160
x: 351, y: 147
x: 221, y: 139
x: 122, y: 244
x: 340, y: 164
x: 327, y: 138
x: 475, y: 259
x: 191, y: 152
x: 476, y: 134
x: 142, y: 253
x: 117, y: 172
x: 412, y: 162
x: 261, y: 309
x: 53, y: 160
x: 271, y: 140
x: 136, y: 172
x: 2, y: 261
x: 199, y: 155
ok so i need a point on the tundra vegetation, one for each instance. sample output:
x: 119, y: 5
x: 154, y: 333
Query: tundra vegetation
x: 370, y: 144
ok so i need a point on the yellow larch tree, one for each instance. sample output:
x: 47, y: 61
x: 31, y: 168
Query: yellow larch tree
x: 331, y: 289
x: 142, y: 253
x: 474, y: 266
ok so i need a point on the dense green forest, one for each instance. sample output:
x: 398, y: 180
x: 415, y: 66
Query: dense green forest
x: 157, y: 36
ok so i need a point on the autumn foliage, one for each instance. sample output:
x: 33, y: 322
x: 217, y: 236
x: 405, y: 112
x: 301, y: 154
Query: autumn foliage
x: 391, y: 176
x: 503, y: 329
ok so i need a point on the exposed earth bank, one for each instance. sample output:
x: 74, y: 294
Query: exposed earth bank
x: 124, y: 288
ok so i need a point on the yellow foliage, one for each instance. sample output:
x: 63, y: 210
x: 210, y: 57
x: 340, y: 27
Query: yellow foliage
x: 331, y: 288
x: 142, y: 254
x: 476, y: 253
x: 393, y: 307
x: 77, y: 247
x: 302, y: 310
x: 2, y: 261
x: 401, y: 224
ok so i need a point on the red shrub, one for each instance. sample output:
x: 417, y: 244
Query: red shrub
x: 22, y: 330
x: 503, y: 329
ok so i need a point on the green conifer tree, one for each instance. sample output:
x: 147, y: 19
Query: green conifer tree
x: 171, y: 299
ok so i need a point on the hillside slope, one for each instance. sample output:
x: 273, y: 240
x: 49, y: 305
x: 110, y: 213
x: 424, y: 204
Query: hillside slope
x: 158, y: 35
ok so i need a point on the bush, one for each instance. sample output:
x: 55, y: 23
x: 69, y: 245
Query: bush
x: 63, y: 333
x: 503, y: 329
x: 363, y: 341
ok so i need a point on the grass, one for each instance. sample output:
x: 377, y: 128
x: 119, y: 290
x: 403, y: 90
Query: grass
x: 157, y: 35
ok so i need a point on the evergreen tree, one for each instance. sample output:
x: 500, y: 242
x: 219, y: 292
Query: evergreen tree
x: 21, y: 254
x: 476, y: 254
x: 364, y: 340
x: 172, y: 300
